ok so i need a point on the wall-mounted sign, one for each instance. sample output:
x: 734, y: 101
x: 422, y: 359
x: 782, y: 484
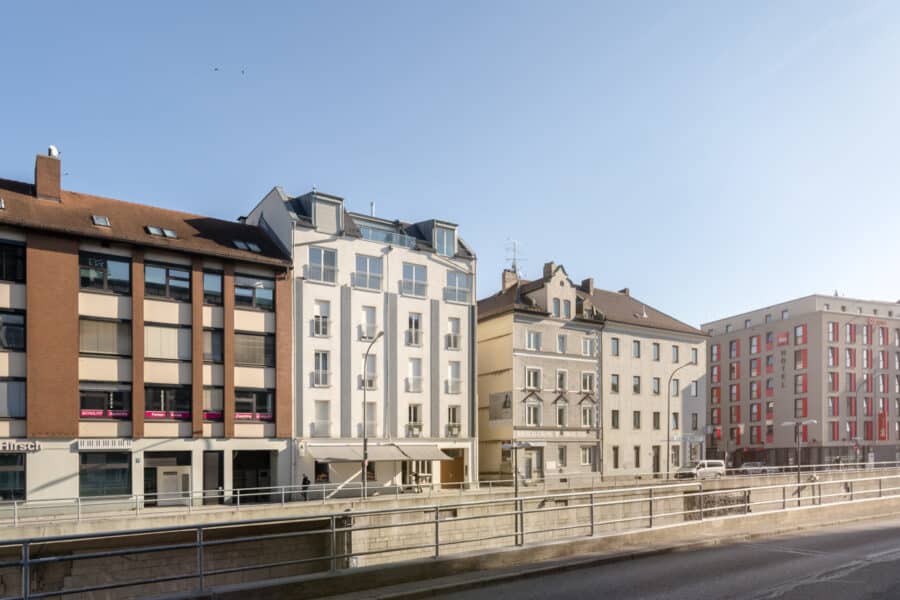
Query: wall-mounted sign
x: 100, y: 444
x: 19, y: 446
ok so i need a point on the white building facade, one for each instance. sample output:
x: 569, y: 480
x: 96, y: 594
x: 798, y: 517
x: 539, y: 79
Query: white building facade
x: 384, y: 343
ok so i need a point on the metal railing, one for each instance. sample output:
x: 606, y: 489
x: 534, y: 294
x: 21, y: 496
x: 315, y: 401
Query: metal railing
x: 414, y: 384
x: 368, y: 281
x: 320, y: 326
x: 202, y: 555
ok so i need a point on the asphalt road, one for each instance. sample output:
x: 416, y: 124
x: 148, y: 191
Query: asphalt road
x: 853, y: 562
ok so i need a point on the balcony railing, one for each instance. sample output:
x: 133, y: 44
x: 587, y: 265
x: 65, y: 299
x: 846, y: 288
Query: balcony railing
x: 368, y: 382
x: 452, y: 341
x: 367, y: 331
x: 321, y: 378
x: 457, y: 295
x: 454, y: 386
x: 371, y: 429
x: 320, y: 429
x: 414, y: 430
x: 453, y: 430
x: 321, y: 326
x: 413, y: 337
x: 366, y: 281
x: 388, y: 237
x: 414, y: 384
x: 322, y: 273
x: 413, y: 288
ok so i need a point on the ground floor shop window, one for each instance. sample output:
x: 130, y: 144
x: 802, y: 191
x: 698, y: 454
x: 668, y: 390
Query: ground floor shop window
x: 104, y: 474
x: 321, y: 473
x: 12, y: 476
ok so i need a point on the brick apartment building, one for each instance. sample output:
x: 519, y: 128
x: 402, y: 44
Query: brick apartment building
x: 142, y: 350
x: 830, y: 359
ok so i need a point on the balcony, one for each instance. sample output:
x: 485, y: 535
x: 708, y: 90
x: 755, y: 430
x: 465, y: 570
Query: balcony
x: 371, y: 429
x: 387, y: 237
x: 365, y: 281
x: 454, y: 386
x: 414, y: 384
x: 453, y: 430
x: 367, y: 332
x: 460, y: 295
x: 368, y: 382
x: 417, y: 289
x: 452, y: 341
x: 321, y: 378
x: 413, y: 430
x: 321, y: 326
x: 322, y: 273
x: 413, y: 337
x: 320, y: 429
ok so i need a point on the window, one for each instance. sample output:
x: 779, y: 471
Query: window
x: 587, y: 415
x: 784, y: 315
x: 656, y: 420
x: 532, y: 378
x: 734, y: 392
x: 694, y: 421
x: 321, y: 318
x: 654, y: 351
x: 656, y: 385
x: 754, y: 344
x: 213, y: 403
x: 321, y: 368
x: 415, y: 280
x: 454, y: 377
x: 107, y: 273
x: 587, y: 346
x: 212, y: 288
x: 167, y: 342
x: 561, y: 455
x: 562, y: 380
x: 321, y: 427
x: 636, y: 384
x: 615, y: 451
x: 636, y: 419
x: 675, y: 353
x: 368, y: 272
x: 676, y: 388
x: 694, y: 356
x: 614, y: 346
x: 587, y: 455
x: 636, y: 349
x: 587, y: 381
x: 800, y: 408
x: 12, y: 476
x: 459, y: 286
x: 104, y: 474
x: 533, y: 341
x: 367, y: 328
x: 561, y: 343
x: 676, y: 456
x: 637, y: 457
x: 727, y: 327
x: 322, y: 264
x: 614, y: 383
x: 254, y: 292
x: 104, y: 337
x: 562, y: 414
x: 445, y: 241
x: 556, y: 307
x: 714, y: 353
x: 213, y: 345
x: 12, y: 264
x: 414, y: 329
x: 533, y: 414
x: 167, y: 402
x: 167, y: 282
x: 695, y: 389
x: 254, y: 350
x: 453, y: 333
x: 12, y: 398
x: 615, y: 419
x: 567, y: 309
x: 414, y: 375
x: 104, y: 401
x: 255, y: 405
x: 369, y: 378
x: 734, y: 349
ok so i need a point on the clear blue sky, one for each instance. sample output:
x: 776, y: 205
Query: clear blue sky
x: 713, y: 157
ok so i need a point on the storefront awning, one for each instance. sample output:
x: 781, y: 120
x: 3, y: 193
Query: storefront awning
x: 386, y: 452
x: 335, y: 454
x: 423, y: 452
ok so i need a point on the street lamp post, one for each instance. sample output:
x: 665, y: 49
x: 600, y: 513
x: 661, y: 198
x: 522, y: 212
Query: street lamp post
x: 669, y: 415
x: 796, y: 425
x: 365, y: 428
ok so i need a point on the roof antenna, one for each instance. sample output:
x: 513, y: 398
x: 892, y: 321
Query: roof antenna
x: 372, y: 208
x: 512, y: 249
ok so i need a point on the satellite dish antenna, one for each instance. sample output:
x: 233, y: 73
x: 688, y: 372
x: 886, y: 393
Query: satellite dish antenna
x: 53, y: 151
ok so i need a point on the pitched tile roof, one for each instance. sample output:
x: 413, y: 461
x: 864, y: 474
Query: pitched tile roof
x: 128, y: 221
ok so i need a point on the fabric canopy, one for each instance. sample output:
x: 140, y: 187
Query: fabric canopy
x: 334, y: 454
x: 386, y: 452
x: 423, y: 452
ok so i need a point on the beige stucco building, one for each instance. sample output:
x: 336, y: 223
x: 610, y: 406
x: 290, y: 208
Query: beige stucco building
x: 544, y: 345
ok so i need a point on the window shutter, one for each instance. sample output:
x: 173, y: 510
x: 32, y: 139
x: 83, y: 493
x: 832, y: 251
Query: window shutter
x: 805, y: 383
x: 803, y: 353
x: 805, y: 406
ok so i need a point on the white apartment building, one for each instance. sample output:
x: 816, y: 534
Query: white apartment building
x: 404, y: 292
x: 542, y: 347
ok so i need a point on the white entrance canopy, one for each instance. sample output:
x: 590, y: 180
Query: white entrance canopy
x: 423, y: 452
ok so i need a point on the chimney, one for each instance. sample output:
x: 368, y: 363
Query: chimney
x: 509, y: 279
x: 46, y: 176
x: 587, y: 285
x: 625, y: 291
x: 549, y: 267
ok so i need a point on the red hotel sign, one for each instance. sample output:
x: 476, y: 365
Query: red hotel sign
x: 783, y: 339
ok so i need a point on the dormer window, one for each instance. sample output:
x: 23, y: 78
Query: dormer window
x: 100, y: 220
x: 445, y: 241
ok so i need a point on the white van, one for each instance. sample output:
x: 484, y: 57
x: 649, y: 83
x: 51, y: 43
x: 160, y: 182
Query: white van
x: 704, y: 469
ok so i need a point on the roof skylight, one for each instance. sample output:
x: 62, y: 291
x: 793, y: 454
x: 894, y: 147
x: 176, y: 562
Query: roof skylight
x: 100, y: 220
x: 152, y: 230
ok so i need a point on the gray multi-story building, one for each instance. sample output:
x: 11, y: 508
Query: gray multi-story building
x: 829, y: 363
x: 551, y: 352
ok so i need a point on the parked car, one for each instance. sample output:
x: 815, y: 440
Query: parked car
x: 704, y: 469
x: 756, y: 468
